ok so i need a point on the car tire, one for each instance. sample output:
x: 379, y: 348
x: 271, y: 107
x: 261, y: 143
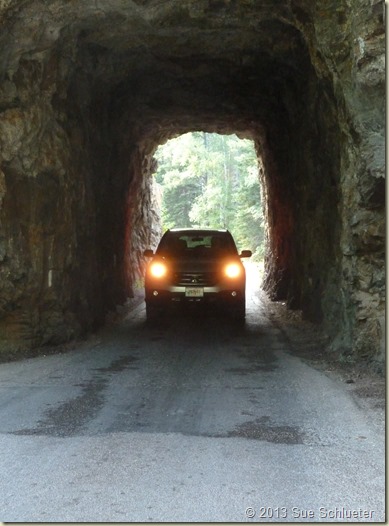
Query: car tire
x: 152, y: 312
x: 238, y: 314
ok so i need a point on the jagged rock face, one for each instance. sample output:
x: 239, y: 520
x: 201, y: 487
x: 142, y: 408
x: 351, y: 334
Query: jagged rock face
x: 89, y: 89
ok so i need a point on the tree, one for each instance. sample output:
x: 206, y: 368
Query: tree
x: 211, y: 180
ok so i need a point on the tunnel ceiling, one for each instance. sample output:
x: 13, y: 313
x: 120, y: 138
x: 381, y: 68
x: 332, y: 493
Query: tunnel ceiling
x: 163, y: 58
x: 89, y: 89
x: 125, y: 34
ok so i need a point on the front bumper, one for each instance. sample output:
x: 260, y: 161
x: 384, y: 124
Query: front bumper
x: 211, y: 295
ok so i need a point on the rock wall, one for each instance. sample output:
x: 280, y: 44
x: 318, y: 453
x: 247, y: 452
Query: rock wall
x: 66, y: 255
x: 355, y: 59
x: 89, y: 89
x: 363, y: 186
x: 48, y: 252
x: 326, y: 238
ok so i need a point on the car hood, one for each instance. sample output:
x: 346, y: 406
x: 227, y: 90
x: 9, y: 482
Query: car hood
x: 199, y: 264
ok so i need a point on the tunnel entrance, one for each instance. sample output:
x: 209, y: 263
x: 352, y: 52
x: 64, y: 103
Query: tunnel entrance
x: 89, y: 90
x: 207, y: 180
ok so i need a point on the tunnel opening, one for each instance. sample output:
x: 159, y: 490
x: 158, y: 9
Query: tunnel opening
x: 114, y: 133
x: 282, y: 104
x: 298, y: 190
x: 88, y: 93
x: 205, y: 180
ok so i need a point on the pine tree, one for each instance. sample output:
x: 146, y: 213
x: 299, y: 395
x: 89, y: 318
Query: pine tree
x: 211, y: 180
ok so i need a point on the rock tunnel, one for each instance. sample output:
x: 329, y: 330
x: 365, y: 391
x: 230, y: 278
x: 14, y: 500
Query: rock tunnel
x: 88, y: 90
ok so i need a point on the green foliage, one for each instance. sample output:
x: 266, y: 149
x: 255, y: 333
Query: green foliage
x: 211, y: 180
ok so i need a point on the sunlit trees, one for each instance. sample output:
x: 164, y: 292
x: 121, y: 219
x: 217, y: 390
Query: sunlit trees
x: 211, y: 180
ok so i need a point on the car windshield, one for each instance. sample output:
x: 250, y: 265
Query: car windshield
x: 192, y: 244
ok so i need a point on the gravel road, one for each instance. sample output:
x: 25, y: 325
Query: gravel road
x: 190, y: 419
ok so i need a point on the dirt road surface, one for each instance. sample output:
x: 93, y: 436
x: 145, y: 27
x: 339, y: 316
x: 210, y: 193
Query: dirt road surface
x: 190, y: 419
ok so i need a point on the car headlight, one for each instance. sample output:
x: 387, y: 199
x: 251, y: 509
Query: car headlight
x: 233, y: 270
x: 158, y: 269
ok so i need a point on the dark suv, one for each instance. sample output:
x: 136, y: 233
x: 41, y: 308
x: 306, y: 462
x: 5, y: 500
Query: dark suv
x: 196, y: 266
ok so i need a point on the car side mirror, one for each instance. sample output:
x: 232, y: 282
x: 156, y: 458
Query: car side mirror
x: 148, y: 253
x: 246, y: 254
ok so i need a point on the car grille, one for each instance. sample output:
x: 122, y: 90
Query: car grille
x: 186, y: 279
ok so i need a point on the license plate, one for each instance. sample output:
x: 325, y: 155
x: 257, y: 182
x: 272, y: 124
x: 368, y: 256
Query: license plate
x: 194, y: 292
